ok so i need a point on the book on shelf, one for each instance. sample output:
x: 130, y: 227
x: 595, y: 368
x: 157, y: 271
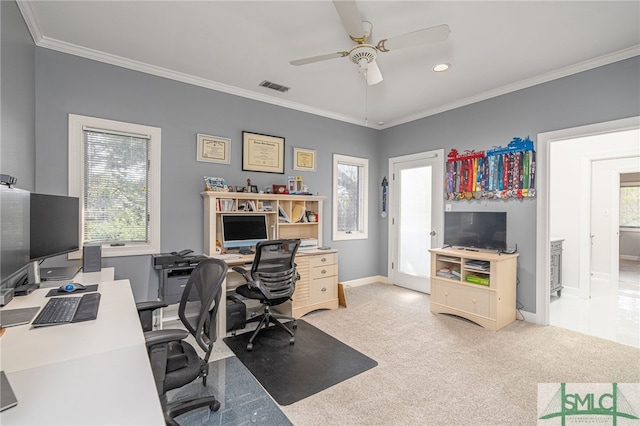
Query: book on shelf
x: 449, y: 259
x: 477, y: 280
x: 283, y: 216
x: 225, y: 205
x: 479, y: 265
x: 448, y: 272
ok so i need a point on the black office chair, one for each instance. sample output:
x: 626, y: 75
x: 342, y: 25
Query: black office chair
x: 175, y: 362
x: 272, y: 281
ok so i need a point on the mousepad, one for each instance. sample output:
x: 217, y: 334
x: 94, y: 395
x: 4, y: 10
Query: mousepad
x: 55, y: 292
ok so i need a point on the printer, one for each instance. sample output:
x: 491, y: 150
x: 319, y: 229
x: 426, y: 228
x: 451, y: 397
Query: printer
x: 308, y: 244
x: 176, y: 259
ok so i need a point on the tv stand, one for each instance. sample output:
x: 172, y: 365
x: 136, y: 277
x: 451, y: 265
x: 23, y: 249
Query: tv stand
x: 479, y: 286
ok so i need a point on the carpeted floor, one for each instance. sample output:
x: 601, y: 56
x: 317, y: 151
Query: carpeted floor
x: 442, y: 370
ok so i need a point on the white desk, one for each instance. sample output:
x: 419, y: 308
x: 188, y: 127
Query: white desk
x: 94, y: 372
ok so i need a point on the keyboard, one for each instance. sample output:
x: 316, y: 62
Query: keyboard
x: 64, y: 310
x: 226, y: 256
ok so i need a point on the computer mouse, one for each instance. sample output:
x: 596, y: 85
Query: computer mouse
x: 71, y: 287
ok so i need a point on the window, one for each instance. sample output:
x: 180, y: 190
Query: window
x: 350, y: 197
x: 630, y: 206
x: 114, y: 168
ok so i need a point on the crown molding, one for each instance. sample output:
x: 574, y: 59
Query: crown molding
x: 523, y: 84
x: 72, y: 49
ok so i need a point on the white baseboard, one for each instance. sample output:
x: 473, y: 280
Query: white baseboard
x: 365, y: 281
x: 629, y: 257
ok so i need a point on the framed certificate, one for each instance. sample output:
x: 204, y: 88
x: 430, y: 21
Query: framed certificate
x: 213, y: 149
x: 304, y: 159
x: 262, y: 153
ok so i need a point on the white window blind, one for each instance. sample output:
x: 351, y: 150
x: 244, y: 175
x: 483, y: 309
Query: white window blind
x: 116, y: 179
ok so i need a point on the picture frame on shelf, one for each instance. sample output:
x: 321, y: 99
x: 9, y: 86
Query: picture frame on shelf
x: 304, y: 159
x: 213, y: 149
x: 253, y: 189
x: 262, y: 153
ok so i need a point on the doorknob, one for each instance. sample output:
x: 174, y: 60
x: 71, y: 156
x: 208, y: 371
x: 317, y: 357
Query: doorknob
x: 432, y: 233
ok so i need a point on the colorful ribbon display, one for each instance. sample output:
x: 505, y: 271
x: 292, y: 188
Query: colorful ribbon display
x: 501, y: 172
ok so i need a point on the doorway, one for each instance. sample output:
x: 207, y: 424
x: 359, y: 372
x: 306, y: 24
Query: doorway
x: 416, y: 217
x: 590, y: 242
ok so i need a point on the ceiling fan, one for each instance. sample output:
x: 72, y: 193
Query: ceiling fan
x: 364, y: 55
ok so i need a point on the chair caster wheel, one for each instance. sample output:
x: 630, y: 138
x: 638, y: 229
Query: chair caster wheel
x: 249, y: 346
x: 292, y: 340
x: 215, y: 406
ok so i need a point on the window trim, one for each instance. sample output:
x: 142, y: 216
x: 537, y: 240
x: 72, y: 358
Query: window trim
x: 364, y: 232
x: 633, y: 184
x: 76, y: 178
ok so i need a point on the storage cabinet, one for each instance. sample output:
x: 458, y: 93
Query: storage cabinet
x: 317, y: 287
x: 288, y: 216
x: 478, y: 286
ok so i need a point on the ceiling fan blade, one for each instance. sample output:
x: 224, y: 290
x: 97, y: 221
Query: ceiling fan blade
x: 374, y: 76
x: 318, y: 58
x: 415, y: 38
x: 348, y: 11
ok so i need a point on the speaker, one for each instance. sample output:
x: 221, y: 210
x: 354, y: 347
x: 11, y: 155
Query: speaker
x: 92, y: 258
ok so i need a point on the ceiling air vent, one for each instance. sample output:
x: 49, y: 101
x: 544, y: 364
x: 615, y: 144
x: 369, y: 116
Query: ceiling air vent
x: 274, y: 86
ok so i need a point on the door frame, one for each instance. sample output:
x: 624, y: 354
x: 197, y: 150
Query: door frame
x: 437, y: 200
x: 543, y: 255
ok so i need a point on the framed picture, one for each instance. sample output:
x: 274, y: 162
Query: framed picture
x: 213, y: 149
x: 262, y: 153
x: 304, y: 159
x: 253, y: 189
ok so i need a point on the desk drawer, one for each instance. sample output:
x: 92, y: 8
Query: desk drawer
x: 324, y: 271
x: 323, y: 289
x: 324, y: 259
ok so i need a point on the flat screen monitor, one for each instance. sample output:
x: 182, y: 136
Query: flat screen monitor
x: 54, y: 225
x: 478, y: 230
x: 243, y: 231
x: 14, y: 221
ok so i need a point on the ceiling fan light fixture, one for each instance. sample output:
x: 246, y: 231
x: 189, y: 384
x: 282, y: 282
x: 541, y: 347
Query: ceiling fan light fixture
x: 441, y: 67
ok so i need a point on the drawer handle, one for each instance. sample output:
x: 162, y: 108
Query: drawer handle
x: 324, y: 271
x: 446, y: 293
x: 324, y: 259
x: 474, y: 300
x: 324, y: 289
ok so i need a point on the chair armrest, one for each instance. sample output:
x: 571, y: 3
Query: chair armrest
x: 150, y: 305
x: 164, y: 336
x: 243, y: 272
x: 145, y: 312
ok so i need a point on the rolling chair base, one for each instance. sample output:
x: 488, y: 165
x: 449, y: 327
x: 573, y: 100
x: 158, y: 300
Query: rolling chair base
x: 268, y: 318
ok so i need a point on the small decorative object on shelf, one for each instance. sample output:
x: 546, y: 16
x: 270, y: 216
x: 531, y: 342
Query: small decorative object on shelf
x: 215, y: 184
x: 501, y: 172
x: 295, y: 185
x: 280, y: 189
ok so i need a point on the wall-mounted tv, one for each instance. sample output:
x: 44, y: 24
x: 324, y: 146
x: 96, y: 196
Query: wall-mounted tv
x: 478, y: 230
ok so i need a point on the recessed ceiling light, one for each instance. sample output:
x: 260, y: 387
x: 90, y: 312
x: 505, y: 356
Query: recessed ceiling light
x: 441, y: 67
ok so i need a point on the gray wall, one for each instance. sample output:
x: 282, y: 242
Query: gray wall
x: 17, y: 85
x: 69, y: 84
x: 607, y: 93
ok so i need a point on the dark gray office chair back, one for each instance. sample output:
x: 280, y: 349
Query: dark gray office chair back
x: 200, y: 301
x: 273, y: 271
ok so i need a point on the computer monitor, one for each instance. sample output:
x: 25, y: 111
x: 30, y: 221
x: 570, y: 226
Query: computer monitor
x: 243, y: 231
x: 14, y: 221
x: 54, y: 221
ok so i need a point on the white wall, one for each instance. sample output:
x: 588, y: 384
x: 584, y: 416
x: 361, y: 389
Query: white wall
x: 569, y: 170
